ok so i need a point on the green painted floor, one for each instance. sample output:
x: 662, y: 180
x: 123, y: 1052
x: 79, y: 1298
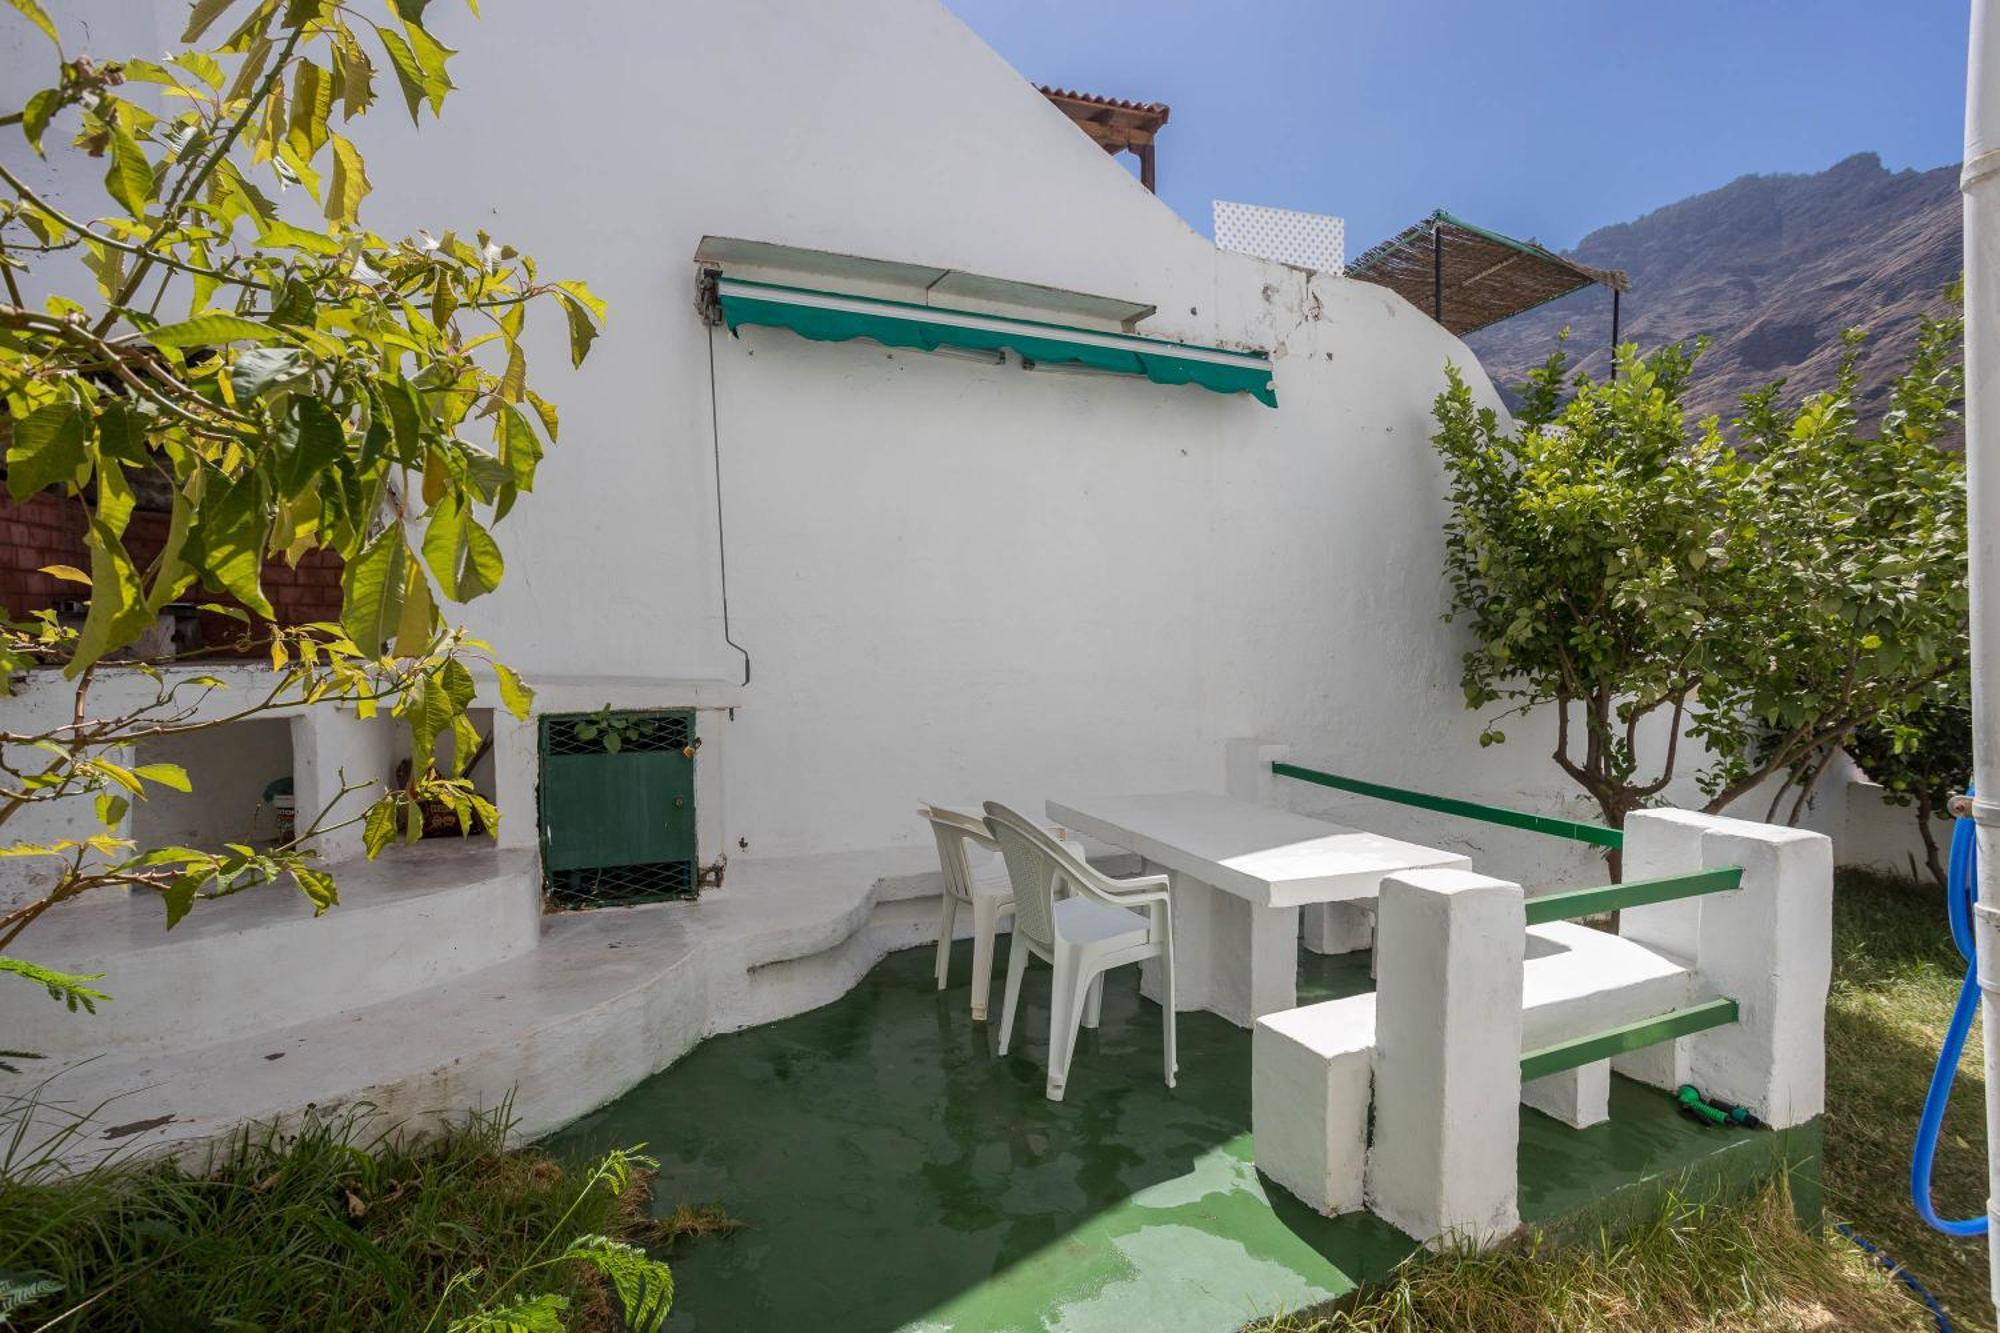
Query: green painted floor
x: 896, y: 1175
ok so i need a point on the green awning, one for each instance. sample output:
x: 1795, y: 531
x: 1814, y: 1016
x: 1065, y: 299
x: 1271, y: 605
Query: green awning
x: 833, y: 317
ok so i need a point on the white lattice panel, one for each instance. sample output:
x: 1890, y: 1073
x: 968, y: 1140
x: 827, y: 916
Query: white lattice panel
x: 1309, y: 240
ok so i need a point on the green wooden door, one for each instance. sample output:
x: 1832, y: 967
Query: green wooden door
x: 617, y: 807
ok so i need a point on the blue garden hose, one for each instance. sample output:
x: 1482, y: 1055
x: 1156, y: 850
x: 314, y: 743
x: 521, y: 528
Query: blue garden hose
x: 1900, y: 1273
x: 1958, y: 894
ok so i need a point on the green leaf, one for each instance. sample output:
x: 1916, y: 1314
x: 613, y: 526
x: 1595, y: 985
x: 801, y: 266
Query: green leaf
x: 278, y: 232
x: 349, y: 185
x: 461, y: 553
x: 313, y: 438
x: 130, y: 177
x: 48, y: 447
x: 430, y: 55
x: 317, y: 886
x: 520, y: 447
x: 514, y: 382
x: 38, y: 16
x: 579, y: 304
x: 644, y: 1285
x: 483, y: 565
x: 257, y: 370
x: 514, y: 692
x: 214, y: 331
x: 444, y: 543
x: 35, y: 116
x: 372, y: 592
x: 228, y: 542
x: 416, y: 625
x: 530, y: 1314
x: 203, y: 66
x: 179, y: 895
x: 357, y: 76
x: 312, y: 103
x: 21, y: 1289
x: 430, y: 717
x: 117, y: 613
x: 546, y: 410
x: 378, y: 829
x: 409, y: 75
x: 205, y: 13
x: 582, y: 295
x: 167, y: 775
x: 406, y: 416
x: 64, y: 987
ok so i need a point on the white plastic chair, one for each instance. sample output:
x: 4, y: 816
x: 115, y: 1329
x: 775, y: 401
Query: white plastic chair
x: 1081, y: 936
x: 990, y: 897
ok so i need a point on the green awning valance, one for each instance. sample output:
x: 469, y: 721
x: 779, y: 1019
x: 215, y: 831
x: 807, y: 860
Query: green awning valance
x: 832, y: 317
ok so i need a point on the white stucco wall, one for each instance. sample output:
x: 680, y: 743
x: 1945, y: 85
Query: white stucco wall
x: 953, y: 577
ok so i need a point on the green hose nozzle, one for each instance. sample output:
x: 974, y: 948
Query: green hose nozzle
x: 1714, y: 1112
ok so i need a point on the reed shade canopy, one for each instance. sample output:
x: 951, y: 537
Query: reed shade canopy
x: 1469, y: 277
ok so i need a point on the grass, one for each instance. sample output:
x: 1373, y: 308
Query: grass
x: 1750, y: 1268
x: 1741, y: 1268
x: 1895, y: 977
x: 338, y: 1225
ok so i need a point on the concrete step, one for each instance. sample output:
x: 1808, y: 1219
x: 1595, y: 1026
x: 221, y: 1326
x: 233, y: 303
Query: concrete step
x: 412, y: 920
x: 607, y: 998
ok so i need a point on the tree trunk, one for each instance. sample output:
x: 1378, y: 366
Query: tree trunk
x: 1926, y: 812
x: 1614, y: 811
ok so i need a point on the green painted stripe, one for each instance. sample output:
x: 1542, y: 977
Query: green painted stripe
x: 1633, y: 1036
x: 1573, y: 903
x: 1449, y: 805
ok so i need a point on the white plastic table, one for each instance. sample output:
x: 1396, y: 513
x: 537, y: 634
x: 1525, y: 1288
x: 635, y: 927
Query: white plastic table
x: 1239, y: 874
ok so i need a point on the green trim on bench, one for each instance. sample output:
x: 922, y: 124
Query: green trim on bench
x: 1631, y: 1037
x: 1573, y: 903
x: 1449, y: 805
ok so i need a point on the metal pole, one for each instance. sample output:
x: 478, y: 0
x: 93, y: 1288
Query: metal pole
x: 1980, y: 183
x: 1437, y: 270
x: 1614, y: 332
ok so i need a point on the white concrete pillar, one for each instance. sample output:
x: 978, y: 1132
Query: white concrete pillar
x: 1767, y: 945
x: 1232, y: 958
x: 516, y: 775
x: 1579, y: 1097
x: 1246, y: 769
x: 332, y: 748
x: 1448, y: 1055
x: 1335, y: 928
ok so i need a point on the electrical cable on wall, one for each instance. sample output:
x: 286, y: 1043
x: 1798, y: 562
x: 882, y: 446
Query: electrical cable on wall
x: 721, y: 541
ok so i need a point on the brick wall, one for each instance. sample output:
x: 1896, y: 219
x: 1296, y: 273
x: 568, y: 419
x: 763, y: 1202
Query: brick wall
x: 49, y: 530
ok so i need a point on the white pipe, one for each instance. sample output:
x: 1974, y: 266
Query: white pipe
x: 1981, y: 186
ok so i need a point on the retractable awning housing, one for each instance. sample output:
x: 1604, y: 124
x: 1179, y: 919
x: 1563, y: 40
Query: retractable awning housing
x: 835, y: 298
x: 832, y: 317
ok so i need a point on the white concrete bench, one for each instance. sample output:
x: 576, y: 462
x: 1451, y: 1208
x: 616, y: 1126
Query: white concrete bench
x: 1313, y: 1067
x: 1432, y: 1061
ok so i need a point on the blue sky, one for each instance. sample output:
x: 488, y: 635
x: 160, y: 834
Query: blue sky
x: 1545, y: 118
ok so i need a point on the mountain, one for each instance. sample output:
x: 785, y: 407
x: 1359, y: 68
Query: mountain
x: 1771, y: 268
